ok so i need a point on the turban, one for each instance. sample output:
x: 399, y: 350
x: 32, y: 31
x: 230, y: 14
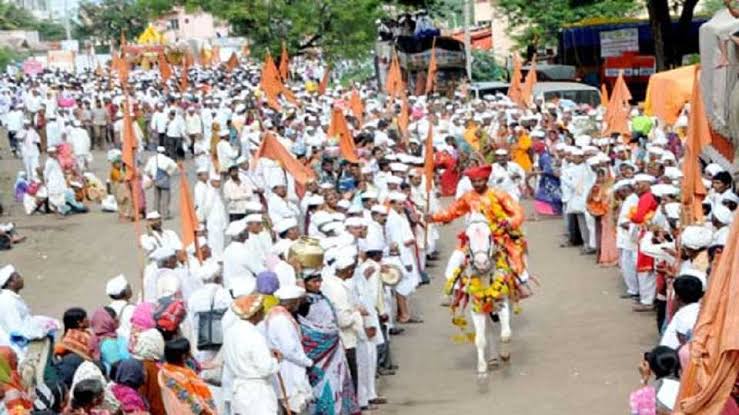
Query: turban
x: 478, y: 173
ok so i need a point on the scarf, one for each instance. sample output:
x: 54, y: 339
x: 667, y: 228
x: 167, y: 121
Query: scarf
x: 16, y: 398
x: 76, y: 341
x: 149, y: 345
x: 104, y: 327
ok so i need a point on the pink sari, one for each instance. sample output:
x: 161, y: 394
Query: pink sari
x: 608, y: 250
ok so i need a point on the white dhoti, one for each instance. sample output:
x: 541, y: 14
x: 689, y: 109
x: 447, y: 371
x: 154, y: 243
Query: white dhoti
x: 253, y: 397
x: 216, y: 240
x: 366, y: 371
x: 590, y: 222
x: 30, y: 166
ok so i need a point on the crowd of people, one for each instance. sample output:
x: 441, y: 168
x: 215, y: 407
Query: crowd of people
x: 241, y: 320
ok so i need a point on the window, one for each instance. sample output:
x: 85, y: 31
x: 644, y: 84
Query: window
x: 174, y: 24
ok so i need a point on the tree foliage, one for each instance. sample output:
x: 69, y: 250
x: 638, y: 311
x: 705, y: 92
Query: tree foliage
x: 13, y: 17
x: 538, y: 21
x: 486, y: 68
x: 105, y: 20
x: 341, y: 28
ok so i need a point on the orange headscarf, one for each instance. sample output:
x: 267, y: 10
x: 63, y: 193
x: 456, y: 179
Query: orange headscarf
x: 16, y: 399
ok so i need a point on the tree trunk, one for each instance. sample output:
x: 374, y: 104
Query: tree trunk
x: 683, y: 30
x: 659, y: 20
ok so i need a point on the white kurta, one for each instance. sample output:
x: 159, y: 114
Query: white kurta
x: 248, y: 361
x: 216, y: 220
x: 280, y: 209
x: 201, y: 300
x: 238, y: 264
x: 398, y: 230
x: 508, y: 179
x: 16, y: 318
x: 283, y: 334
x: 165, y: 238
x: 347, y: 315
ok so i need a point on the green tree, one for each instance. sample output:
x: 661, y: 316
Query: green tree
x: 105, y: 20
x: 709, y: 7
x: 485, y: 68
x: 669, y: 44
x: 13, y: 17
x: 539, y: 21
x: 340, y: 28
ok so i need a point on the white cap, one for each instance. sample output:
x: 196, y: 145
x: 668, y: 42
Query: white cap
x: 242, y: 286
x: 661, y: 190
x: 336, y: 227
x: 720, y: 237
x: 577, y: 152
x: 162, y: 253
x: 672, y: 210
x: 202, y: 169
x: 236, y: 227
x: 344, y: 261
x: 209, y: 270
x: 344, y: 204
x: 5, y: 273
x: 398, y: 167
x: 713, y: 169
x: 501, y: 152
x: 644, y: 178
x: 116, y: 285
x: 354, y: 222
x: 673, y: 173
x: 254, y: 217
x: 394, y: 180
x: 722, y: 214
x: 289, y: 292
x: 381, y: 209
x: 696, y: 237
x: 373, y: 242
x: 161, y: 149
x: 397, y: 197
x: 622, y: 183
x: 315, y: 200
x: 202, y: 241
x: 253, y: 206
x: 153, y: 215
x: 285, y: 224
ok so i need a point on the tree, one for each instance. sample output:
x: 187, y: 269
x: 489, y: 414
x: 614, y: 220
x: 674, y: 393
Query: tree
x: 541, y: 20
x: 13, y: 17
x: 669, y: 46
x: 340, y: 28
x: 105, y: 20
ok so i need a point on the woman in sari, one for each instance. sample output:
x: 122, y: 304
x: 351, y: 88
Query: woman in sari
x: 330, y: 378
x: 129, y: 377
x: 16, y: 399
x: 548, y: 197
x: 120, y: 190
x: 75, y: 346
x: 149, y: 349
x: 183, y: 392
x: 142, y: 320
x: 600, y: 205
x: 107, y: 345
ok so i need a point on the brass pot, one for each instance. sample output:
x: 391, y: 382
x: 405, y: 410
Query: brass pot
x: 391, y: 275
x: 308, y: 252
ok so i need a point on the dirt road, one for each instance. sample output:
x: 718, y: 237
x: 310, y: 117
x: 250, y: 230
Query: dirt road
x: 575, y: 346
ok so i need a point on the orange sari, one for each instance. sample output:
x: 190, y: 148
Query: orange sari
x: 184, y: 393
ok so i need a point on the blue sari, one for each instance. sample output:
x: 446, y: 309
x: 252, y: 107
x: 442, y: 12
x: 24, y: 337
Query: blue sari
x: 548, y: 198
x: 333, y: 389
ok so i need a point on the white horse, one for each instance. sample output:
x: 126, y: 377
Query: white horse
x: 478, y: 261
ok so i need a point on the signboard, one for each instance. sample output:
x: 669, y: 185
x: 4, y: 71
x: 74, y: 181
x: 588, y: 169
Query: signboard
x: 32, y: 67
x: 636, y: 67
x: 616, y: 42
x: 61, y: 59
x: 420, y: 61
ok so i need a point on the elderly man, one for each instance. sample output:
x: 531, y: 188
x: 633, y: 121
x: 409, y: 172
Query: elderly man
x: 507, y: 175
x: 236, y: 263
x: 640, y: 218
x: 237, y: 193
x: 249, y: 364
x: 204, y: 306
x: 163, y: 263
x: 577, y: 179
x: 283, y: 334
x: 278, y: 204
x: 400, y: 236
x: 159, y: 169
x: 15, y: 316
x: 120, y: 293
x: 156, y: 236
x: 56, y: 184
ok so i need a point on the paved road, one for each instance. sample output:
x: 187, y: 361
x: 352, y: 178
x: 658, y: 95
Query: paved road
x: 575, y: 346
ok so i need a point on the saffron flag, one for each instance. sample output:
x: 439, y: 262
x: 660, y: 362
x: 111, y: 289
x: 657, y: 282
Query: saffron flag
x: 187, y: 211
x: 699, y: 136
x: 189, y: 60
x: 284, y: 63
x: 339, y: 128
x: 431, y: 77
x: 604, y: 95
x: 404, y: 117
x: 323, y: 86
x: 128, y: 157
x: 707, y: 381
x: 356, y: 105
x: 164, y: 69
x: 428, y: 162
x: 527, y: 90
x: 514, y: 90
x: 270, y: 82
x: 232, y: 62
x: 272, y: 149
x: 617, y: 113
x: 394, y: 81
x: 420, y: 88
x: 184, y: 81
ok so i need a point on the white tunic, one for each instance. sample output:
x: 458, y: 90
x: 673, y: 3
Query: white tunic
x: 237, y: 264
x: 349, y: 319
x: 280, y: 208
x: 216, y: 220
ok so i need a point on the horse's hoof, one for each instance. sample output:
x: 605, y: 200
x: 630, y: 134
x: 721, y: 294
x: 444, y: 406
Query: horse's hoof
x: 482, y: 369
x: 506, y: 357
x: 505, y: 338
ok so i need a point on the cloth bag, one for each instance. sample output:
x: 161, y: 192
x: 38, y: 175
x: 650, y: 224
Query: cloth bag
x: 210, y: 330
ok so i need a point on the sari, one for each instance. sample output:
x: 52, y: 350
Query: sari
x: 183, y: 392
x: 329, y: 376
x: 548, y: 196
x: 609, y: 255
x: 16, y: 400
x: 105, y: 345
x: 149, y: 349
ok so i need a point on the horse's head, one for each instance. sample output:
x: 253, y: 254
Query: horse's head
x: 480, y: 244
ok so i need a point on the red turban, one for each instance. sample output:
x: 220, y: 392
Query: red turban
x: 477, y: 173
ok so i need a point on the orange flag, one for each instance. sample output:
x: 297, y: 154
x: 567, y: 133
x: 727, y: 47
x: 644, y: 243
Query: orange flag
x: 270, y: 81
x: 338, y: 127
x: 284, y: 63
x: 128, y: 155
x: 404, y: 117
x: 604, y: 95
x: 184, y: 81
x: 431, y: 77
x: 323, y: 86
x: 122, y: 68
x: 394, y: 81
x: 164, y: 69
x: 706, y: 384
x: 215, y: 56
x: 527, y: 90
x: 272, y: 149
x: 699, y: 136
x: 514, y: 90
x: 232, y: 62
x: 187, y: 211
x: 428, y: 162
x: 189, y: 60
x: 356, y: 105
x: 617, y: 113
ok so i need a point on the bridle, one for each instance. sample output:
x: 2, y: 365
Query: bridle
x: 471, y: 254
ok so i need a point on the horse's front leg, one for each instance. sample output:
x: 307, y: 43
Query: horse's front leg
x: 504, y: 313
x: 479, y: 320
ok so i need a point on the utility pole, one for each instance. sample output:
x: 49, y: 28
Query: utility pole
x: 467, y: 46
x: 67, y: 27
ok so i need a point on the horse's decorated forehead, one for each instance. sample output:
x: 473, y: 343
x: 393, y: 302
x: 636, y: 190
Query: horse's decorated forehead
x: 478, y: 233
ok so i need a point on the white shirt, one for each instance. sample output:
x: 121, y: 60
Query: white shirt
x: 175, y: 127
x: 578, y: 180
x: 199, y: 191
x: 280, y: 208
x: 238, y: 264
x: 193, y: 124
x: 16, y: 318
x: 247, y: 358
x: 350, y: 322
x: 226, y: 155
x: 80, y: 140
x: 14, y: 120
x: 31, y: 140
x: 124, y: 310
x: 369, y: 291
x: 682, y: 323
x: 201, y: 300
x: 159, y: 161
x: 503, y: 178
x: 159, y: 122
x: 625, y: 238
x: 237, y: 195
x: 166, y: 238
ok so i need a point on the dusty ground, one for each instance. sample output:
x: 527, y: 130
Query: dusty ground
x: 575, y: 346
